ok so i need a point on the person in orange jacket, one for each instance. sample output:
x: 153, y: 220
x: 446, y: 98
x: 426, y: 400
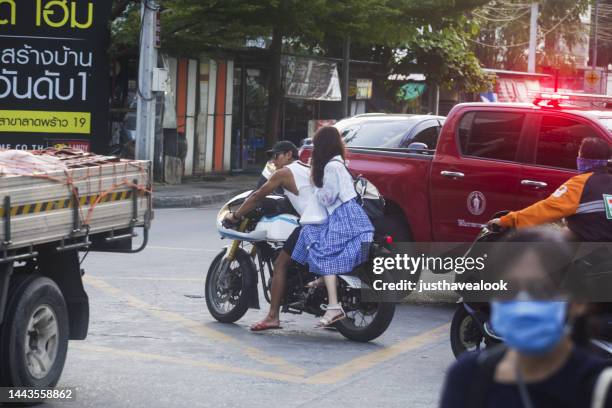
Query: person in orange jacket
x: 585, y: 200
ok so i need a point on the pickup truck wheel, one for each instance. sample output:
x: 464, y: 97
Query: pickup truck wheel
x: 35, y: 342
x: 394, y: 225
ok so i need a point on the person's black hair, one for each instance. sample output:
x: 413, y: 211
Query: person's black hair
x: 327, y: 143
x: 596, y: 149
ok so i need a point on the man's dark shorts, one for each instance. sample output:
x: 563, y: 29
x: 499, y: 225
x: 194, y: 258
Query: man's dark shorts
x: 292, y: 240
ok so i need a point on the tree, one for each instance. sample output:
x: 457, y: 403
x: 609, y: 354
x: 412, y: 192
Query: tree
x: 323, y: 24
x: 444, y: 54
x: 432, y: 32
x: 504, y: 33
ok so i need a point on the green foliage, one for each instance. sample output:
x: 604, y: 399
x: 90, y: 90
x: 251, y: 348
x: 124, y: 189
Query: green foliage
x: 503, y: 36
x: 124, y: 31
x: 431, y: 33
x: 444, y: 56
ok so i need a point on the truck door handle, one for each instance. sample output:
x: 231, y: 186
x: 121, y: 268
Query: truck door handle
x: 452, y: 174
x: 532, y: 183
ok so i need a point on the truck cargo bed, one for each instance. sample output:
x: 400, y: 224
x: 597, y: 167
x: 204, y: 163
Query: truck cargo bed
x: 94, y: 195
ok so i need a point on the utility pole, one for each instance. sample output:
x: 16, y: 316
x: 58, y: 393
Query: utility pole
x: 533, y: 37
x: 145, y: 122
x: 345, y: 77
x: 595, y: 29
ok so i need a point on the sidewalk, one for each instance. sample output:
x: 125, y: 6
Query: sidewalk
x: 198, y: 192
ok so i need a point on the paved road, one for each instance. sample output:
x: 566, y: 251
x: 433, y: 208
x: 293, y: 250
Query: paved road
x: 152, y: 343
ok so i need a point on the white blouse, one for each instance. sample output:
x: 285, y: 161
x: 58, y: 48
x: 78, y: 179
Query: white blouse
x: 338, y: 187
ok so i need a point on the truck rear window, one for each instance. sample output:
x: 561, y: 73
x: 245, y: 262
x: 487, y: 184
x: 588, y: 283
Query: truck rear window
x: 491, y: 135
x: 381, y: 133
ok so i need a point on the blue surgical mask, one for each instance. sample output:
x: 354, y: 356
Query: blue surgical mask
x: 530, y: 326
x: 584, y: 165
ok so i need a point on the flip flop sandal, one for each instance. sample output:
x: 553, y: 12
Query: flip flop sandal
x: 261, y: 326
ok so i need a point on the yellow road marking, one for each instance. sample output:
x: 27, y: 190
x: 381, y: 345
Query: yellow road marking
x: 189, y: 362
x: 367, y: 361
x: 196, y: 327
x: 290, y: 373
x: 327, y: 377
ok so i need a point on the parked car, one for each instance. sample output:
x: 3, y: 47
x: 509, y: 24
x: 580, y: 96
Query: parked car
x: 389, y: 131
x: 489, y: 157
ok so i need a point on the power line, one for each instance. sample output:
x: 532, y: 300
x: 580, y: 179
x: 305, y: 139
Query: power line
x: 522, y: 44
x: 501, y: 20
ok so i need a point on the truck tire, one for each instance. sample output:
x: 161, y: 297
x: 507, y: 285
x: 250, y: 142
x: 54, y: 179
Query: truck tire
x: 394, y: 225
x: 34, y: 339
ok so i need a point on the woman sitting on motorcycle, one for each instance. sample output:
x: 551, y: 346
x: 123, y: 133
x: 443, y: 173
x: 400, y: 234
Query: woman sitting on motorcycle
x: 341, y: 242
x: 543, y: 363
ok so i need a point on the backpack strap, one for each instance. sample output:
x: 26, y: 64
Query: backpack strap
x: 487, y: 363
x: 602, y: 387
x: 346, y: 167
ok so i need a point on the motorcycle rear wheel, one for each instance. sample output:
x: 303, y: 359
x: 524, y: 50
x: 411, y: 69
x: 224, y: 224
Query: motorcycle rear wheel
x: 227, y: 289
x: 357, y: 327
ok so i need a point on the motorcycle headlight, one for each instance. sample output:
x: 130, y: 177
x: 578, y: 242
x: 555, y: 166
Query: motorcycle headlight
x: 223, y: 212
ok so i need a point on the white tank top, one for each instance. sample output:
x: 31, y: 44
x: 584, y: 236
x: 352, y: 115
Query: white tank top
x: 301, y: 175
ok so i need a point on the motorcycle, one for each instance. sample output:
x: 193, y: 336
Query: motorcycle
x: 232, y: 282
x: 471, y: 330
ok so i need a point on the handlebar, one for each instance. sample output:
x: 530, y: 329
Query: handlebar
x: 230, y: 225
x: 495, y: 228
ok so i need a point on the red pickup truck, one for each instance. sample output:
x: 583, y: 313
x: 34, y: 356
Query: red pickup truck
x: 488, y: 157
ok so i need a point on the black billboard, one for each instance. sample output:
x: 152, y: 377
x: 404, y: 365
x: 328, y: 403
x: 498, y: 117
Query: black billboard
x: 54, y: 74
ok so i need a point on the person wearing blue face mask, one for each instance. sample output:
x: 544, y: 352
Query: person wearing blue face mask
x: 585, y: 200
x: 544, y: 361
x: 530, y: 326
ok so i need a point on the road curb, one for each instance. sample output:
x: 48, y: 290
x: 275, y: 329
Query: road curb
x: 192, y: 201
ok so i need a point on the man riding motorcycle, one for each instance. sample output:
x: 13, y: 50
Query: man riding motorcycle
x: 585, y: 200
x: 293, y: 177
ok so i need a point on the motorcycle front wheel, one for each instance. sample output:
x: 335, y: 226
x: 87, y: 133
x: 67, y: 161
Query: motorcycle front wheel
x: 227, y: 288
x: 465, y: 334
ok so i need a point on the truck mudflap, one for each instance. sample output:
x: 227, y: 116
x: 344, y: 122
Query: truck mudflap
x: 64, y: 269
x: 6, y: 270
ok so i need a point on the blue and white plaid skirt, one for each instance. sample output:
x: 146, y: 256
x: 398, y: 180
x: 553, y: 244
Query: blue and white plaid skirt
x: 339, y: 244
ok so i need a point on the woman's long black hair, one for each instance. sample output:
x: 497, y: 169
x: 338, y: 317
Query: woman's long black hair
x: 327, y: 144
